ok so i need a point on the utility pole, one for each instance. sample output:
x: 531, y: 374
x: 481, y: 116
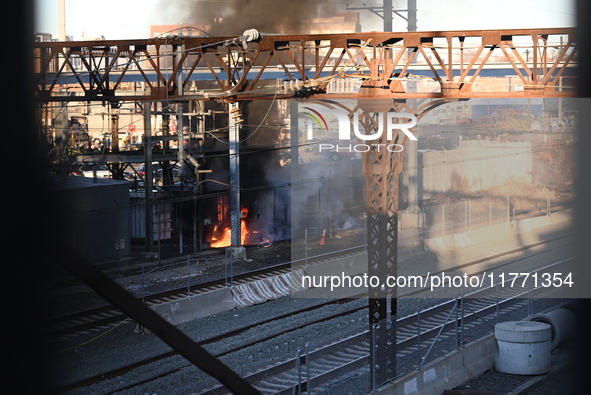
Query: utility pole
x: 387, y: 13
x: 61, y: 11
x: 412, y: 15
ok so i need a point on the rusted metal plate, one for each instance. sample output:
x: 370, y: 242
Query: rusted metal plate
x: 491, y: 38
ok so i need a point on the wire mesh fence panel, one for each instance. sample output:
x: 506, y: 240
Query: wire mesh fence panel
x: 433, y: 222
x: 464, y: 216
x: 456, y: 219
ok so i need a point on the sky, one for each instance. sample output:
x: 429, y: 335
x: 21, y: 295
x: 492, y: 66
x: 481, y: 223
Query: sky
x: 131, y: 19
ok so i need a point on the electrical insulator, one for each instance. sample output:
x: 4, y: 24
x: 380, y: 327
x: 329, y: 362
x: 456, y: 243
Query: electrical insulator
x: 296, y: 85
x: 236, y: 115
x: 251, y: 35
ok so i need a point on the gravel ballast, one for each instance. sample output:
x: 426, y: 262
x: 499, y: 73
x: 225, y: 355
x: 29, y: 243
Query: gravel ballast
x: 108, y: 348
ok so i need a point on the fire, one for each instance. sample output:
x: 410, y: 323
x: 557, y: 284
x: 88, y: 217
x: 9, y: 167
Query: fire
x: 223, y: 238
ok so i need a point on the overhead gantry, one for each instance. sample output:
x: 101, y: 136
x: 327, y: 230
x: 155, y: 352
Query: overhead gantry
x: 454, y: 64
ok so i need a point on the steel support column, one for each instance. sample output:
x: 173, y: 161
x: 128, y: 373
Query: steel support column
x: 114, y: 116
x: 182, y: 143
x: 147, y: 179
x: 115, y: 167
x: 382, y: 223
x: 62, y: 135
x: 381, y: 169
x: 234, y: 139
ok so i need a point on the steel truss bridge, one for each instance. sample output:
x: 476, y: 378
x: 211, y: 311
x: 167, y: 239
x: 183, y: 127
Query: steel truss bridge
x: 385, y: 67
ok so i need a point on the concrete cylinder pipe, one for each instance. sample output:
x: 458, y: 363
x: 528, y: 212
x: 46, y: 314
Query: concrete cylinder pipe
x: 524, y: 347
x: 563, y: 323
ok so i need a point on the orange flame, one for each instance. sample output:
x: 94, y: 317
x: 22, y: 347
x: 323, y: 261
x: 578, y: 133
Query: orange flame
x: 224, y: 238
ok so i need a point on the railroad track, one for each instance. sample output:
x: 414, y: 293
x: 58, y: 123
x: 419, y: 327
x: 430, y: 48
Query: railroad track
x: 107, y: 315
x: 334, y: 361
x: 341, y: 361
x: 218, y: 338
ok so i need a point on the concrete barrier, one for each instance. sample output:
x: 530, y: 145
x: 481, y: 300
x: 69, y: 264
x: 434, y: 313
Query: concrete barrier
x: 245, y: 295
x: 196, y: 306
x: 228, y: 298
x: 266, y: 289
x: 486, y: 234
x: 447, y: 372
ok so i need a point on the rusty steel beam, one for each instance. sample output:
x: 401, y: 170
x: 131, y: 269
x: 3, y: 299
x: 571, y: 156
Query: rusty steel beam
x: 202, y: 68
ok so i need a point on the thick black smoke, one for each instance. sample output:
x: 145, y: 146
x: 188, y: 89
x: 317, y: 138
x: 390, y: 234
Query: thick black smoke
x: 233, y: 17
